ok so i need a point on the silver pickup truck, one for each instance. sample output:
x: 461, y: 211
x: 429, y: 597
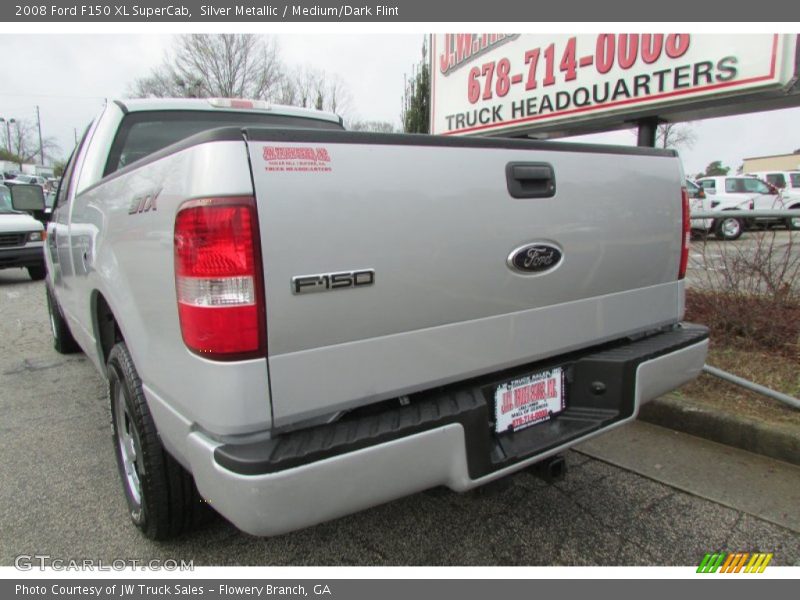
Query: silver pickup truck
x: 298, y: 322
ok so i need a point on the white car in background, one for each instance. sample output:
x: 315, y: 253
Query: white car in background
x: 762, y: 195
x: 788, y: 182
x: 724, y: 228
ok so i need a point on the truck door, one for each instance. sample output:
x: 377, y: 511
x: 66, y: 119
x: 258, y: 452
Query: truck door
x: 60, y: 258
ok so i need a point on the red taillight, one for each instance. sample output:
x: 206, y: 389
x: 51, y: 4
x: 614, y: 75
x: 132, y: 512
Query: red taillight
x: 218, y: 278
x: 686, y: 234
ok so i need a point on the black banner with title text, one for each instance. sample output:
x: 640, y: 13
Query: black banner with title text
x: 398, y: 11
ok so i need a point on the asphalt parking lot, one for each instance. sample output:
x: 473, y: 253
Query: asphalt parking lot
x: 709, y: 258
x: 60, y: 493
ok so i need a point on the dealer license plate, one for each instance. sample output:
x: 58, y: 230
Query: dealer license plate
x: 528, y: 400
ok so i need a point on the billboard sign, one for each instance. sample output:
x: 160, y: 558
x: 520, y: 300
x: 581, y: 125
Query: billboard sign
x: 492, y: 84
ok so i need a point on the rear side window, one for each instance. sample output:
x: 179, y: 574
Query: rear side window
x: 776, y: 179
x: 795, y: 179
x: 64, y: 184
x: 146, y: 132
x: 731, y: 186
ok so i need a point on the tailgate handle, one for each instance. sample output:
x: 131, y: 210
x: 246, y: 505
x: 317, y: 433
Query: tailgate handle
x: 530, y: 180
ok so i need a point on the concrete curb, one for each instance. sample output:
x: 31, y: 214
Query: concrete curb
x: 776, y: 440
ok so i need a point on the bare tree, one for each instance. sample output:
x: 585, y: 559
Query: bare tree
x: 24, y: 143
x: 216, y: 65
x: 338, y: 96
x: 240, y: 66
x: 313, y: 88
x: 674, y: 135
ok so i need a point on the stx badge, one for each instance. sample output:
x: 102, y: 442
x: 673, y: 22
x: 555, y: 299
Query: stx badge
x: 143, y: 204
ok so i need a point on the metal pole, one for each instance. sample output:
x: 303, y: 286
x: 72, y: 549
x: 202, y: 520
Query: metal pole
x: 41, y: 148
x: 8, y: 123
x: 647, y: 132
x: 753, y: 387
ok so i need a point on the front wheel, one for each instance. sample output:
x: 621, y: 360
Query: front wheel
x: 728, y: 228
x: 37, y: 273
x: 161, y: 495
x: 63, y: 341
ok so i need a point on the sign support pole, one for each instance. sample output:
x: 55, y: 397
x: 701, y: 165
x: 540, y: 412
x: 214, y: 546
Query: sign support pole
x: 647, y: 132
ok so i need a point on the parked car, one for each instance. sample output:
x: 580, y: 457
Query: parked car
x: 306, y: 322
x: 788, y: 182
x: 723, y: 227
x: 763, y: 195
x: 21, y: 236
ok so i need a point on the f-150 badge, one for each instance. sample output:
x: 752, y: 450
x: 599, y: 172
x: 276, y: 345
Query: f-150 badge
x: 534, y: 258
x: 327, y: 282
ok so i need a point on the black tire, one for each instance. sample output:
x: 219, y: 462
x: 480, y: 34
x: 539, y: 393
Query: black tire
x: 162, y: 499
x: 63, y: 341
x: 793, y: 223
x: 728, y: 228
x: 37, y: 273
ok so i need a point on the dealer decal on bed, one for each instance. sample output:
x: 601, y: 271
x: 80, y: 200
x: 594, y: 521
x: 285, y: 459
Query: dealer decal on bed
x: 305, y: 159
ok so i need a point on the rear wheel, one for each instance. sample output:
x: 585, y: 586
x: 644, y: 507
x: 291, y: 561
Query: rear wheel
x: 728, y: 228
x: 161, y: 495
x: 63, y: 341
x: 793, y: 223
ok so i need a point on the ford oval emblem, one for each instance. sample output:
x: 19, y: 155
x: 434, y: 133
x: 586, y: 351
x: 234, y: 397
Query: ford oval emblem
x: 534, y: 258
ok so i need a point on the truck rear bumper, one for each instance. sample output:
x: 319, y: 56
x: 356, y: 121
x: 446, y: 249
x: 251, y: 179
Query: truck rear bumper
x: 442, y: 438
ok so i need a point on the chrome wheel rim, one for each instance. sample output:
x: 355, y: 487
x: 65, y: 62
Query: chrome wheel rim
x: 730, y: 227
x: 128, y: 442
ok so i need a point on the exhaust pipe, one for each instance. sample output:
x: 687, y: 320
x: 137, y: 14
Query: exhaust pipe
x: 551, y: 469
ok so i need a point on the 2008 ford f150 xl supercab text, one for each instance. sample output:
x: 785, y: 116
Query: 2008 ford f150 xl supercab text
x: 304, y: 322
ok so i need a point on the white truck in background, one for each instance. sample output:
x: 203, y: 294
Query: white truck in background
x: 21, y: 235
x: 304, y: 322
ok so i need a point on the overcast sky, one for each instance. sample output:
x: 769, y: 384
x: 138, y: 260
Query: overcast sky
x: 68, y: 76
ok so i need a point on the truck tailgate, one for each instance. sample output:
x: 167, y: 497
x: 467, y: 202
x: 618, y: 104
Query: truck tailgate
x: 436, y: 222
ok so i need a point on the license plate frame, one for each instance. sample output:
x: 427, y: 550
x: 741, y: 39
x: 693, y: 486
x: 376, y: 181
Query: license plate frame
x: 529, y: 400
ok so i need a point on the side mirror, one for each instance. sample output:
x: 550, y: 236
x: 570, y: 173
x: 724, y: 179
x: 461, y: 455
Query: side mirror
x: 27, y: 197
